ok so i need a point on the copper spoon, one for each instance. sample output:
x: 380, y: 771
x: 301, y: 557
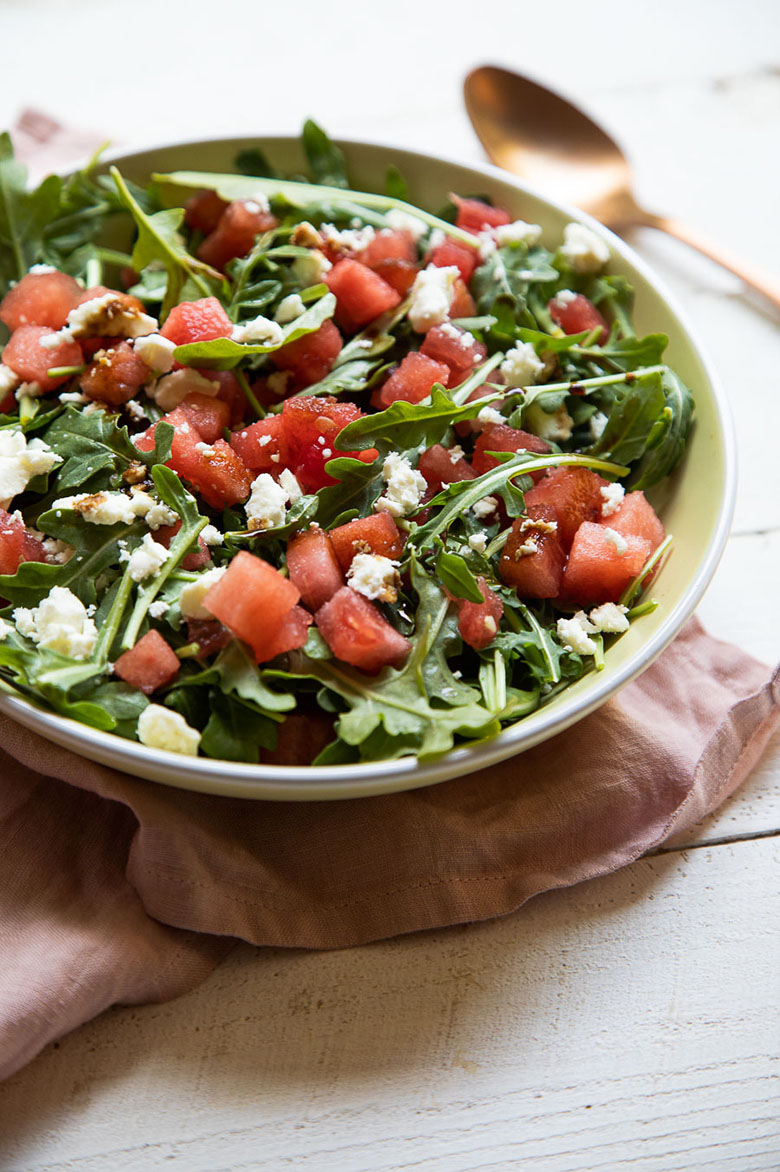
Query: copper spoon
x: 540, y: 136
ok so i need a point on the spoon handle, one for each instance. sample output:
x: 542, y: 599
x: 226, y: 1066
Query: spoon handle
x: 765, y: 283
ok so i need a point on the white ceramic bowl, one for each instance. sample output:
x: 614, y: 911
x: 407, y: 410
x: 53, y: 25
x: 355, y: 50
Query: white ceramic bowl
x: 696, y: 505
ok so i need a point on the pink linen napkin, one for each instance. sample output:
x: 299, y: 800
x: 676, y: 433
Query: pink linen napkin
x: 115, y: 890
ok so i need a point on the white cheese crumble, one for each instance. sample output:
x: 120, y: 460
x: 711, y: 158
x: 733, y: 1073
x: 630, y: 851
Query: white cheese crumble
x: 564, y: 297
x: 455, y: 453
x: 464, y: 339
x: 610, y: 618
x: 171, y: 389
x: 518, y: 232
x: 490, y: 415
x: 100, y: 508
x: 145, y: 561
x: 29, y: 391
x: 58, y: 551
x: 349, y: 239
x: 596, y: 424
x: 478, y: 542
x: 583, y: 249
x: 161, y: 728
x: 257, y: 204
x: 156, y: 351
x: 5, y: 630
x: 267, y: 504
x: 616, y: 539
x: 9, y: 380
x: 59, y: 623
x: 522, y: 366
x: 38, y: 270
x: 405, y: 487
x: 554, y: 428
x: 289, y: 309
x: 484, y: 507
x: 487, y: 245
x: 612, y: 498
x: 212, y: 536
x: 193, y: 593
x: 259, y: 331
x: 401, y: 221
x: 155, y: 513
x: 74, y: 397
x: 158, y: 608
x: 311, y: 269
x: 374, y: 576
x: 432, y: 295
x: 20, y: 461
x: 106, y: 316
x: 291, y: 485
x: 575, y: 634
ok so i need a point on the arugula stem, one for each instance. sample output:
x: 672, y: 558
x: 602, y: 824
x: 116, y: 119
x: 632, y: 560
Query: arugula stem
x: 249, y: 394
x: 93, y: 274
x: 634, y: 587
x: 498, y: 542
x: 178, y: 549
x: 602, y: 380
x: 461, y: 393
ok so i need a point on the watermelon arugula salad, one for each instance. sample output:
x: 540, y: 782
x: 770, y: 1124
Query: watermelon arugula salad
x: 295, y: 473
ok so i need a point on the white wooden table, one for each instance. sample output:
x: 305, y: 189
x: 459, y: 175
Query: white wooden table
x: 629, y: 1023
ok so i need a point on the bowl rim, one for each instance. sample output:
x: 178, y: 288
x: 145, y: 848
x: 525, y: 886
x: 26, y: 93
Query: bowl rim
x: 316, y: 782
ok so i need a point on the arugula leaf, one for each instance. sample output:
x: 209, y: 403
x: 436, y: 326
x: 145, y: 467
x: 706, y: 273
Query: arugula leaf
x: 23, y: 215
x: 668, y: 437
x: 395, y: 184
x: 359, y: 485
x: 253, y: 161
x: 326, y: 160
x: 403, y: 426
x: 505, y: 277
x: 228, y: 353
x: 235, y: 732
x: 456, y: 576
x: 96, y: 443
x: 632, y: 420
x: 348, y: 378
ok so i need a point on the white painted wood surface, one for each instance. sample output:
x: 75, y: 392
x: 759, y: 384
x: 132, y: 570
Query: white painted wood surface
x: 629, y: 1023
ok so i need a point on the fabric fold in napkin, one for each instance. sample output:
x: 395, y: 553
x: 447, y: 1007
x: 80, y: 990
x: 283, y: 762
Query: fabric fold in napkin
x: 115, y: 890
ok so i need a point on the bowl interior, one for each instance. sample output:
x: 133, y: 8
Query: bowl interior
x: 696, y: 503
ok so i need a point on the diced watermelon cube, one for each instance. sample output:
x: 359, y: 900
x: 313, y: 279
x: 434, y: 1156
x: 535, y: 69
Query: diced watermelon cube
x: 229, y: 392
x: 636, y: 517
x: 192, y: 561
x: 314, y: 567
x: 478, y: 621
x: 574, y: 495
x: 438, y: 467
x: 114, y: 375
x: 452, y: 252
x: 474, y: 215
x: 376, y: 534
x: 17, y: 545
x: 32, y: 362
x: 358, y: 633
x: 40, y: 299
x: 203, y: 211
x: 218, y: 474
x: 462, y: 301
x: 210, y: 416
x: 399, y: 274
x: 389, y: 244
x: 312, y: 356
x: 260, y: 442
x: 302, y: 735
x: 361, y: 294
x: 457, y: 348
x: 235, y: 234
x: 537, y: 572
x: 576, y: 313
x: 197, y: 321
x: 255, y: 602
x: 498, y: 437
x: 599, y: 569
x: 149, y: 665
x: 412, y: 380
x: 311, y: 427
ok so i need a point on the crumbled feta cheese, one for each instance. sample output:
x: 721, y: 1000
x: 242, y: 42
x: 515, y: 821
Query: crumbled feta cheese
x: 204, y: 448
x: 311, y: 269
x: 20, y: 461
x: 162, y: 728
x: 9, y: 380
x: 374, y: 576
x: 405, y: 487
x: 610, y: 618
x: 455, y: 453
x: 259, y: 331
x: 212, y: 536
x: 134, y: 409
x: 489, y: 624
x: 40, y: 269
x: 159, y: 608
x: 59, y: 623
x: 522, y: 366
x: 257, y: 204
x: 478, y: 542
x: 57, y: 551
x: 538, y: 525
x: 487, y: 245
x: 518, y: 232
x: 583, y: 249
x: 556, y: 427
x: 5, y: 630
x: 484, y: 507
x: 291, y: 485
x: 564, y: 298
x: 106, y: 316
x: 289, y: 309
x: 597, y: 423
x: 612, y: 498
x: 155, y: 513
x: 193, y: 593
x: 277, y: 382
x: 489, y: 415
x: 29, y: 391
x: 464, y: 339
x: 616, y: 539
x: 74, y: 397
x: 145, y: 561
x: 432, y: 294
x: 348, y: 240
x: 101, y: 508
x: 171, y: 389
x: 529, y: 547
x: 401, y: 221
x: 575, y: 634
x: 156, y: 352
x: 266, y: 507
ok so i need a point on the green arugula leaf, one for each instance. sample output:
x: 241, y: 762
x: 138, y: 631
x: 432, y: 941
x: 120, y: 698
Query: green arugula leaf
x: 23, y: 215
x: 456, y: 576
x: 669, y: 435
x: 403, y: 426
x: 359, y: 485
x: 632, y: 419
x: 235, y: 732
x: 326, y: 160
x: 228, y: 353
x: 96, y: 443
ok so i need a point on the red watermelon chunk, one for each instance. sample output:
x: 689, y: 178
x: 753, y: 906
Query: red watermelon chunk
x: 17, y: 545
x: 203, y: 211
x: 574, y: 495
x: 235, y: 233
x: 399, y: 274
x: 40, y: 299
x: 389, y: 244
x: 599, y: 569
x: 636, y: 517
x: 498, y: 437
x: 457, y: 348
x: 263, y: 445
x: 208, y: 415
x: 314, y: 567
x: 361, y: 294
x: 359, y: 634
x: 575, y: 313
x: 412, y: 380
x: 376, y: 534
x: 478, y: 621
x: 311, y: 427
x: 218, y: 474
x: 150, y: 665
x: 311, y: 357
x: 255, y: 602
x: 197, y: 321
x: 461, y: 256
x: 439, y: 468
x: 114, y: 375
x: 32, y: 362
x: 291, y: 633
x: 462, y: 302
x: 537, y: 573
x: 474, y: 215
x: 192, y: 561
